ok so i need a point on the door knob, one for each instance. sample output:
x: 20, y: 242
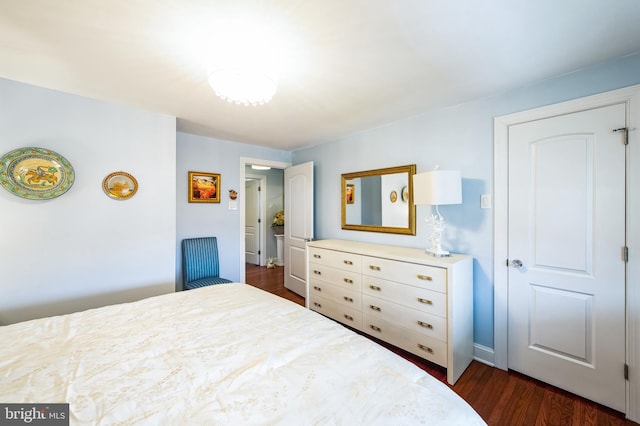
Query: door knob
x: 516, y: 263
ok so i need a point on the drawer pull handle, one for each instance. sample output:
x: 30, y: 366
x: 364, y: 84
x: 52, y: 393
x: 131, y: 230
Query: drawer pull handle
x: 375, y: 308
x: 425, y: 277
x: 374, y: 267
x: 348, y: 281
x: 373, y: 327
x: 316, y: 304
x: 317, y: 256
x: 316, y: 288
x: 375, y: 287
x: 349, y: 317
x: 348, y: 262
x: 425, y: 348
x: 348, y: 299
x: 317, y: 272
x: 425, y: 325
x: 425, y: 301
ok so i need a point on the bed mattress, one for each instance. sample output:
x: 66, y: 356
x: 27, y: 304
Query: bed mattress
x: 227, y: 354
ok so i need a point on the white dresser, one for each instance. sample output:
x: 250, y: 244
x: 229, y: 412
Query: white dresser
x: 400, y: 295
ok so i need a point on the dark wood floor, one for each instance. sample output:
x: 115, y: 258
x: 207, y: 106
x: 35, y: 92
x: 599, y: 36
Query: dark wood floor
x: 500, y: 397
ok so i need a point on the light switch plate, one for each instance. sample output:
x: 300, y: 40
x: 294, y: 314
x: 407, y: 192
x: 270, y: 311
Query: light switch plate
x: 485, y: 201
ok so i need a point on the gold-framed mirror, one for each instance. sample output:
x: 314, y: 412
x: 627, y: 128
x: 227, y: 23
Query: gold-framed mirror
x: 379, y: 200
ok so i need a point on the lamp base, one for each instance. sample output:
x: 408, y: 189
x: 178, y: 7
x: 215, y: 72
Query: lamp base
x: 437, y: 224
x: 437, y: 252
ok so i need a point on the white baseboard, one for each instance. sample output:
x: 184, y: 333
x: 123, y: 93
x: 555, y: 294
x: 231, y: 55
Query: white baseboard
x: 483, y: 354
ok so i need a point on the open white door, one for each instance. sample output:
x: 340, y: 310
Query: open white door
x: 298, y: 206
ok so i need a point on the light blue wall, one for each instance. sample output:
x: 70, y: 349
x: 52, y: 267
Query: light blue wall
x: 84, y: 249
x: 458, y: 137
x: 202, y: 154
x: 140, y: 238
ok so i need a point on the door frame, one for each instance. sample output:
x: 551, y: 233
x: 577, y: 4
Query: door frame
x: 630, y: 96
x: 245, y: 161
x: 262, y: 257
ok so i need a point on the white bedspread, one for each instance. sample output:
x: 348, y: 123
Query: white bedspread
x: 221, y: 355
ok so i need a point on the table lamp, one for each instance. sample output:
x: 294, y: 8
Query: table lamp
x: 436, y: 188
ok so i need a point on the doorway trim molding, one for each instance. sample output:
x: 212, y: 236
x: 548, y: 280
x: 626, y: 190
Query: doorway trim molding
x: 630, y: 96
x: 244, y: 161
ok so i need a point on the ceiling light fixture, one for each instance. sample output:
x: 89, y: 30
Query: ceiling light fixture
x: 244, y: 87
x: 258, y: 167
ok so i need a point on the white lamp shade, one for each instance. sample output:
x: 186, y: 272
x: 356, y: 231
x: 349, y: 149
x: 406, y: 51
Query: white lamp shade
x: 437, y: 187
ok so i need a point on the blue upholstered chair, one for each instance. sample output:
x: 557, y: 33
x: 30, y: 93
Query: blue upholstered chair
x: 200, y: 264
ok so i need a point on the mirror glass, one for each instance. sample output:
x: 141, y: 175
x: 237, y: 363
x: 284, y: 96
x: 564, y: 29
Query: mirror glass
x: 379, y: 200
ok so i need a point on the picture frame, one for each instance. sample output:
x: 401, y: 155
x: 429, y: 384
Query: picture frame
x: 350, y: 193
x: 204, y: 187
x: 120, y: 185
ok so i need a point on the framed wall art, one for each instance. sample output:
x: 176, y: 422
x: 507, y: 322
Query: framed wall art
x: 204, y: 187
x: 120, y: 185
x: 350, y: 193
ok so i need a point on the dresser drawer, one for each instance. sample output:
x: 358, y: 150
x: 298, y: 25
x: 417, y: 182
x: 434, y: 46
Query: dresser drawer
x: 340, y: 313
x: 336, y: 294
x: 432, y: 302
x: 423, y: 346
x: 336, y: 259
x: 412, y: 319
x: 347, y: 279
x: 422, y: 276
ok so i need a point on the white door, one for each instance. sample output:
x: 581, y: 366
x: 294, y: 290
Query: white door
x: 298, y: 224
x: 566, y: 320
x: 252, y: 222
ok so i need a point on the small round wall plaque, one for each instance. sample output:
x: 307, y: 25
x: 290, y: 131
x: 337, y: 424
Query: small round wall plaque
x: 120, y: 185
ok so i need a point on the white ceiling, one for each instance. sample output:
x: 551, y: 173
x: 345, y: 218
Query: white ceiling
x: 344, y: 65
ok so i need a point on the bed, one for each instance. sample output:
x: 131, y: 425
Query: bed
x: 228, y: 354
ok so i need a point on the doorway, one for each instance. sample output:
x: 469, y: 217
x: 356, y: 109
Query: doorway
x: 264, y: 199
x: 266, y: 232
x: 566, y: 230
x: 505, y: 269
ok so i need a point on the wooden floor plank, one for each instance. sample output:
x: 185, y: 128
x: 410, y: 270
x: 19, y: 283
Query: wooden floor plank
x: 528, y: 402
x: 501, y: 398
x: 505, y: 408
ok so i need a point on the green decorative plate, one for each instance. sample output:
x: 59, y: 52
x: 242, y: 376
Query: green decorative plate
x: 35, y: 173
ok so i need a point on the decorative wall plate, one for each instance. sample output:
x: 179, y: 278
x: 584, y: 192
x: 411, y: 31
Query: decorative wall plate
x: 120, y: 185
x: 35, y: 173
x: 405, y: 194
